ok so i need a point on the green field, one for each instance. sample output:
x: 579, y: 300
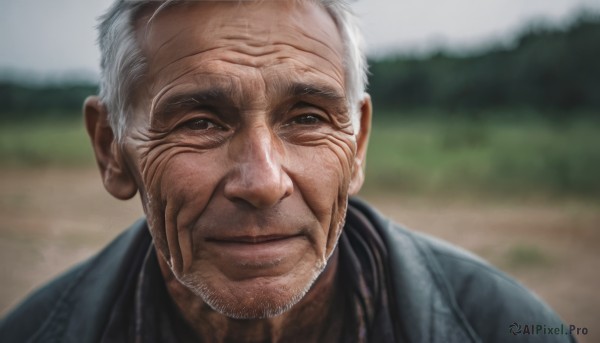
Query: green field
x: 44, y: 143
x: 512, y: 158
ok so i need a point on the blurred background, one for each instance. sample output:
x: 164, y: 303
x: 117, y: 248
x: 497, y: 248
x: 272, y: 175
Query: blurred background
x: 486, y: 133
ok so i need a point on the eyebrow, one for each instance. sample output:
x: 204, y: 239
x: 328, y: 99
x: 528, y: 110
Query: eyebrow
x: 298, y: 89
x: 184, y: 101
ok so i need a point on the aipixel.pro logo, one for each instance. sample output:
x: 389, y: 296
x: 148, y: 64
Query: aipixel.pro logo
x: 541, y: 329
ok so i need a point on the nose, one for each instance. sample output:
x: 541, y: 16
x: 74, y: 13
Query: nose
x: 258, y: 177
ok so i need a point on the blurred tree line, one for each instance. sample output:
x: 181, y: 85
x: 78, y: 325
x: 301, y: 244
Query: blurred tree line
x: 554, y: 71
x: 551, y: 70
x: 23, y: 101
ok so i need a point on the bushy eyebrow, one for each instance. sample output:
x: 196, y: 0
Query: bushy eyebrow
x: 300, y: 89
x: 184, y: 101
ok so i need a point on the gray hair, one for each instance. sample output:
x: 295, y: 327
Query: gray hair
x: 122, y: 63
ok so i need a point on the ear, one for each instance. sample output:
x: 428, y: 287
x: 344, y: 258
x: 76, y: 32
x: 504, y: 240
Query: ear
x: 116, y: 177
x: 362, y: 140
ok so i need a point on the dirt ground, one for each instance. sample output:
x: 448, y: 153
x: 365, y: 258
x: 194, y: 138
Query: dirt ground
x: 52, y: 218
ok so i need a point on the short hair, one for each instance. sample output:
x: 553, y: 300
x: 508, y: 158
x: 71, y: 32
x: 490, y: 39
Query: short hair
x: 123, y: 64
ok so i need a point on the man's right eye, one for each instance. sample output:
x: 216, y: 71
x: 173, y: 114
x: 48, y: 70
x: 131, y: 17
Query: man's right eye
x: 200, y: 124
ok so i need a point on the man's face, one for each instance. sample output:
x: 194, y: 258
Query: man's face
x: 243, y: 150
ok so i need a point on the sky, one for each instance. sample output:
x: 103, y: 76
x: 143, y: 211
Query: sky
x: 57, y: 38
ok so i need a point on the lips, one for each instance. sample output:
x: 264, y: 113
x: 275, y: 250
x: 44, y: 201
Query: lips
x: 250, y: 239
x: 251, y: 256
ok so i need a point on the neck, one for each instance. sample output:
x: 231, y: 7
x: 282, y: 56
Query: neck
x: 314, y: 318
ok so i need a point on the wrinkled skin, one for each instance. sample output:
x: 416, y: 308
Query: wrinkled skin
x: 242, y: 148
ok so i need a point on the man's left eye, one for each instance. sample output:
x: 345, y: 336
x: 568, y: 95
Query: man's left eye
x: 307, y: 119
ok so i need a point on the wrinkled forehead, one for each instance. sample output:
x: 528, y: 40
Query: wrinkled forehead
x: 188, y: 27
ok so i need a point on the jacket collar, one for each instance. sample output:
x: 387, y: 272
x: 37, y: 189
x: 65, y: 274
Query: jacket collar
x: 426, y: 309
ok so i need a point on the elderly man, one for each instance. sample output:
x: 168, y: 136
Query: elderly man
x: 244, y: 126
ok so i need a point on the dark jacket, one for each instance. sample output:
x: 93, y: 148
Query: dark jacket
x: 442, y: 294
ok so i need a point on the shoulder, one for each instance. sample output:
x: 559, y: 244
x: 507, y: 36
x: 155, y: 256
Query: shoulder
x: 29, y: 316
x: 470, y: 293
x: 488, y: 299
x: 72, y: 299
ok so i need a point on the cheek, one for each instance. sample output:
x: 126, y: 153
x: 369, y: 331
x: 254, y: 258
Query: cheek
x: 171, y: 172
x: 332, y: 162
x: 179, y: 184
x: 322, y: 174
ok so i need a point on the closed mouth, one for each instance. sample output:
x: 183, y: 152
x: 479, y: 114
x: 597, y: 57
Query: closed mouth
x: 250, y: 239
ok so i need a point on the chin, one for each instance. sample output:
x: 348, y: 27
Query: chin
x: 257, y: 298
